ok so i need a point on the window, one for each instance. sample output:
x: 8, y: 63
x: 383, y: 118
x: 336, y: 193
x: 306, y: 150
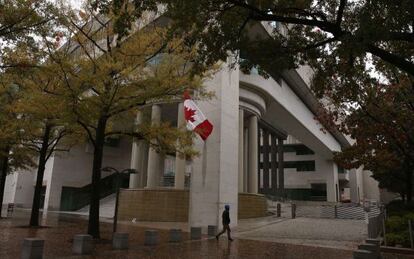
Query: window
x: 300, y: 166
x: 299, y: 149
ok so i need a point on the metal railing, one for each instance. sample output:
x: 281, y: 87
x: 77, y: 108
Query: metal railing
x: 375, y: 225
x: 341, y: 211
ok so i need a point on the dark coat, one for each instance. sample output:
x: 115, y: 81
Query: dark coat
x: 225, y: 217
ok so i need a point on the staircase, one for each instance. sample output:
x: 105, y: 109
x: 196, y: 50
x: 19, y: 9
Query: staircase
x: 106, y: 207
x: 76, y: 198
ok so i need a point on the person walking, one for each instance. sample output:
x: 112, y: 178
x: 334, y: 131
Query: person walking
x: 225, y: 217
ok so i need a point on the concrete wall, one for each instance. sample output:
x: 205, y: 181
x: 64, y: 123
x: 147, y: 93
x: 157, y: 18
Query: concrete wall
x: 286, y: 111
x: 295, y: 179
x: 74, y: 168
x: 326, y: 171
x: 363, y: 186
x: 353, y: 186
x: 48, y: 178
x: 10, y: 188
x: 251, y: 206
x: 25, y: 189
x: 371, y: 190
x: 162, y: 205
x: 171, y: 205
x: 329, y: 171
x: 306, y: 73
x: 19, y: 188
x: 214, y: 179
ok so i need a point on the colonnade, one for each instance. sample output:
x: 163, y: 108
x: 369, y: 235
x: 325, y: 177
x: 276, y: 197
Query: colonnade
x: 259, y: 157
x: 252, y: 143
x: 148, y: 162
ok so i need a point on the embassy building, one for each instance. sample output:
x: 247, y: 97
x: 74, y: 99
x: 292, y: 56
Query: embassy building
x: 266, y: 144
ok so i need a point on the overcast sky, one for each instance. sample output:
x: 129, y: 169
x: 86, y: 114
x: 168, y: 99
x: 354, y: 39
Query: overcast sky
x: 76, y: 3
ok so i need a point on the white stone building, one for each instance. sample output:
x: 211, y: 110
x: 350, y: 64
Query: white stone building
x: 265, y: 140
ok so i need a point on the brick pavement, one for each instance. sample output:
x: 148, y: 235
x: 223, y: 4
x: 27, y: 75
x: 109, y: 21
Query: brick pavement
x: 61, y: 228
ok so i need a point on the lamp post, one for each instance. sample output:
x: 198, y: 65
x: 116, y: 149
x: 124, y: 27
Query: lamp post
x: 117, y: 187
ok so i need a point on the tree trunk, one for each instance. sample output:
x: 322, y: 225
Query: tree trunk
x: 4, y: 167
x: 34, y: 218
x: 93, y: 224
x: 409, y: 184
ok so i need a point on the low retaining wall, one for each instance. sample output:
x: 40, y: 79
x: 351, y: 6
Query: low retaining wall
x: 252, y: 206
x: 170, y: 205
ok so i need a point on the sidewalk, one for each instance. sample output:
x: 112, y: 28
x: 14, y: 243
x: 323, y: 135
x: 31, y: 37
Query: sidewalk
x: 61, y: 228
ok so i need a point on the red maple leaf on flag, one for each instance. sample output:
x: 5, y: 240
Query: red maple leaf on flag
x: 189, y: 114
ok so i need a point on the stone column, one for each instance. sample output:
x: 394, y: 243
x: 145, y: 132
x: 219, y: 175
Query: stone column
x: 246, y: 160
x: 241, y: 152
x: 280, y: 165
x: 138, y: 158
x: 253, y: 154
x: 180, y: 162
x: 330, y: 171
x: 353, y: 185
x: 215, y: 172
x: 266, y: 164
x: 154, y: 157
x: 273, y: 164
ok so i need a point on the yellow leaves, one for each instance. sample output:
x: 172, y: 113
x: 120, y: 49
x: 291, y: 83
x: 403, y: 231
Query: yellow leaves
x: 84, y: 16
x: 96, y: 75
x: 146, y: 66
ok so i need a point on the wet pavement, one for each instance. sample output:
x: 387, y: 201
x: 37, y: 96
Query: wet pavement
x: 334, y: 233
x: 61, y: 228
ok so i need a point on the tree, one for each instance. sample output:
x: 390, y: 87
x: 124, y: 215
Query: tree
x: 109, y: 76
x: 393, y: 180
x: 382, y: 124
x: 350, y: 54
x: 22, y: 21
x: 335, y: 37
x: 47, y: 126
x: 13, y: 155
x: 41, y: 125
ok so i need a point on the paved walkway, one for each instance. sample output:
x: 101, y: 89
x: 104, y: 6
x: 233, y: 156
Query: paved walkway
x: 334, y: 233
x: 61, y: 228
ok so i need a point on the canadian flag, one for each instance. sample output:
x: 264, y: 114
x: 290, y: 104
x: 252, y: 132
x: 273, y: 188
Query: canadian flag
x: 196, y: 121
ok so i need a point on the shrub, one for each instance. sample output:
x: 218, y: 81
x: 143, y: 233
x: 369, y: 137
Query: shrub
x: 397, y: 229
x: 409, y: 216
x: 400, y: 238
x: 399, y: 208
x: 395, y: 224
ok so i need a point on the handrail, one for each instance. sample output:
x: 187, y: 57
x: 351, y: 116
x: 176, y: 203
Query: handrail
x: 75, y: 198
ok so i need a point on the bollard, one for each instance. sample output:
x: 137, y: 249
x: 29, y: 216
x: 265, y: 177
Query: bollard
x: 278, y: 210
x: 374, y: 249
x: 32, y: 248
x: 175, y: 235
x: 293, y: 210
x: 195, y: 233
x: 120, y: 240
x: 336, y: 211
x: 212, y: 230
x: 82, y: 244
x: 363, y: 254
x: 410, y: 232
x: 10, y: 209
x: 151, y: 237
